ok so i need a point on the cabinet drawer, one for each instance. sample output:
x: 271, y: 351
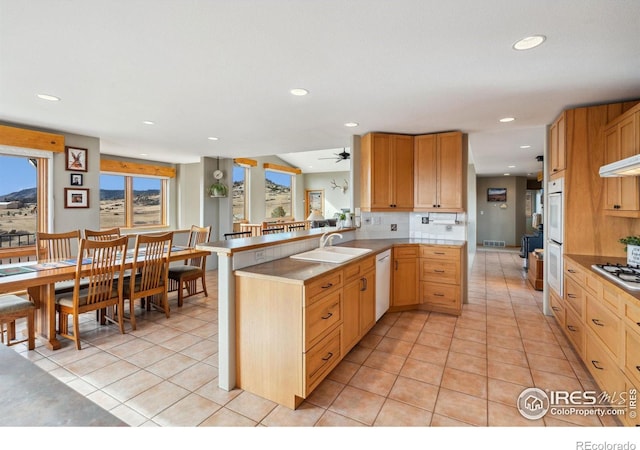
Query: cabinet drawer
x: 611, y: 298
x: 557, y: 307
x: 321, y: 316
x: 574, y: 329
x: 604, y: 324
x: 437, y: 294
x: 632, y: 314
x: 632, y: 356
x: 575, y: 271
x: 329, y: 283
x: 440, y: 271
x: 602, y: 367
x: 574, y: 296
x: 437, y: 252
x: 406, y: 252
x: 357, y: 269
x: 321, y: 359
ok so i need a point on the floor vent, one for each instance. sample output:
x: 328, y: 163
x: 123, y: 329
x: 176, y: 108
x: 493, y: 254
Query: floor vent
x: 493, y: 244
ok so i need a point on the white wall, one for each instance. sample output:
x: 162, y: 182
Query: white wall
x: 334, y: 199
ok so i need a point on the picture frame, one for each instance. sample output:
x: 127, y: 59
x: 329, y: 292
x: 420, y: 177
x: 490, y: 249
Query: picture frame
x: 76, y: 179
x: 76, y: 158
x: 76, y: 198
x: 314, y: 201
x: 497, y: 194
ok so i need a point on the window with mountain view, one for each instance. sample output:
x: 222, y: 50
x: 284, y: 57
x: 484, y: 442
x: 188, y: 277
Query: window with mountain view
x: 278, y: 194
x: 18, y: 200
x: 239, y: 193
x: 130, y: 202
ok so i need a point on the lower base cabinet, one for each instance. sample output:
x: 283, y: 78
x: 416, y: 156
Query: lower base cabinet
x: 602, y: 323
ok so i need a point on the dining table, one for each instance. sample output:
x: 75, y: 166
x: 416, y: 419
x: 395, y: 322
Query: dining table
x: 39, y: 280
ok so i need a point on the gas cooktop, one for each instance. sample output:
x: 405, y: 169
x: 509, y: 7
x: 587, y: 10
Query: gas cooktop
x: 624, y: 275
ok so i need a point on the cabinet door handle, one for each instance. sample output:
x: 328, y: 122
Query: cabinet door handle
x: 438, y: 253
x: 396, y: 264
x: 571, y: 295
x: 571, y: 328
x: 364, y: 284
x: 327, y: 286
x: 328, y: 357
x: 571, y: 271
x: 438, y: 271
x: 555, y: 308
x: 597, y: 322
x: 638, y: 368
x: 438, y: 295
x: 327, y: 316
x: 638, y: 323
x: 595, y: 364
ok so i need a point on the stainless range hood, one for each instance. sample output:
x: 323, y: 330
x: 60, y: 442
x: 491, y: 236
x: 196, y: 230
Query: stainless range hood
x: 628, y: 167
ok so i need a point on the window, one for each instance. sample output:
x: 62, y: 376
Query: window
x: 19, y: 199
x: 278, y: 194
x: 239, y: 193
x: 131, y: 202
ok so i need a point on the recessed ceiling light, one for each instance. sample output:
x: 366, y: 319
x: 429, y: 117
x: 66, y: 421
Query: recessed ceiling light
x: 148, y: 122
x: 507, y: 119
x: 507, y: 174
x: 144, y: 154
x: 511, y: 167
x: 212, y: 138
x: 529, y: 42
x: 299, y: 91
x: 351, y: 124
x: 525, y: 146
x: 51, y: 98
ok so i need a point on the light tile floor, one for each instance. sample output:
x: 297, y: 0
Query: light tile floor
x: 413, y: 368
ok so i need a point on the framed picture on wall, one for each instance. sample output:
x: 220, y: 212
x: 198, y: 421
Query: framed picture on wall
x: 76, y: 179
x: 76, y: 159
x: 314, y: 201
x: 497, y: 194
x: 76, y: 198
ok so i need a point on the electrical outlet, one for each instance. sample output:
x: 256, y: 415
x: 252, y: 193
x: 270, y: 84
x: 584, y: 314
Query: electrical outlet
x: 394, y: 227
x: 367, y: 220
x: 259, y: 255
x: 425, y: 220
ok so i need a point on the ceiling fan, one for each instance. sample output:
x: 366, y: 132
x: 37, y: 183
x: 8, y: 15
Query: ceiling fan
x: 342, y: 156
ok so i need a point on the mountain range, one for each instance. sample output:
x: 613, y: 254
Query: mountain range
x: 29, y: 195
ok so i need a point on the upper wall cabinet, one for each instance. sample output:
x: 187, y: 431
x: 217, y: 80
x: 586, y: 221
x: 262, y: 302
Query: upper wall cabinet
x: 386, y: 172
x: 557, y: 147
x: 621, y: 140
x: 439, y: 180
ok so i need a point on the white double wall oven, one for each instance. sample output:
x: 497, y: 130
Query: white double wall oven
x: 555, y: 234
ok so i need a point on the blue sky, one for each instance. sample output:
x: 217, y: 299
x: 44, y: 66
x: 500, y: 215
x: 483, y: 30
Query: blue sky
x: 16, y: 174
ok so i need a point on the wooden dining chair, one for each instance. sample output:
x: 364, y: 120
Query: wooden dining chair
x: 102, y: 235
x: 104, y: 286
x: 273, y: 230
x: 149, y: 274
x: 186, y: 276
x: 55, y: 246
x: 12, y: 308
x: 237, y: 234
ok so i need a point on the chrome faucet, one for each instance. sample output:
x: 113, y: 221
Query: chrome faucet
x: 327, y: 239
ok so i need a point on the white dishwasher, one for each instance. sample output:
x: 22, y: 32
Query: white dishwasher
x: 383, y: 282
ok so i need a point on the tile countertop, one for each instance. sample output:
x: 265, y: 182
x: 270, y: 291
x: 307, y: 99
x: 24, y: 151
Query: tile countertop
x: 586, y: 261
x: 298, y: 272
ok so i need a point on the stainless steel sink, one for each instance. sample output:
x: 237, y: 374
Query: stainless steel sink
x: 332, y: 254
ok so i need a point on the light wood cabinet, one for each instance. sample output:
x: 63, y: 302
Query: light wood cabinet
x: 605, y: 333
x: 439, y: 182
x: 622, y: 140
x: 386, y: 172
x: 557, y: 146
x: 441, y: 278
x: 359, y: 314
x: 288, y: 335
x: 405, y: 277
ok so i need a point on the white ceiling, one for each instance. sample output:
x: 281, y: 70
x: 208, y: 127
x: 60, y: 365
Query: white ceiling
x: 224, y: 68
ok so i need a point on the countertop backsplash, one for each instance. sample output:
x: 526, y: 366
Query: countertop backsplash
x: 378, y: 225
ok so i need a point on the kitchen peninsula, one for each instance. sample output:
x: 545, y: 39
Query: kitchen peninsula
x: 284, y: 324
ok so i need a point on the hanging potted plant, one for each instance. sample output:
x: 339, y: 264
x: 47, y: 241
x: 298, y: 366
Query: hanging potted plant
x: 218, y: 189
